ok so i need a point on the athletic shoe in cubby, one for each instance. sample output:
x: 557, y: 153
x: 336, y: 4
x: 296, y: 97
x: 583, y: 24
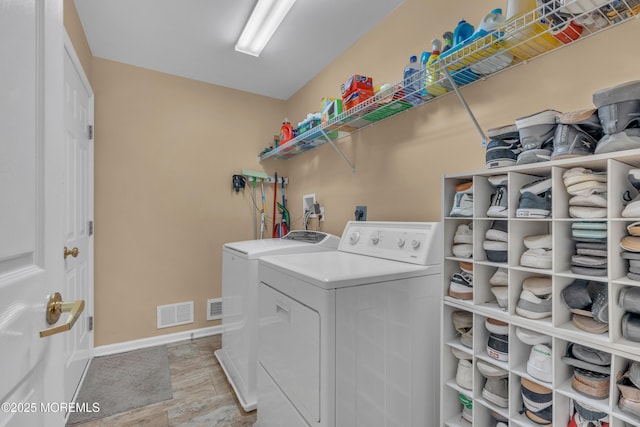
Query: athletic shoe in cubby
x: 499, y: 200
x: 463, y: 200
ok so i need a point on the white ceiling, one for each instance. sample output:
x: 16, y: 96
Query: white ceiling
x: 196, y: 38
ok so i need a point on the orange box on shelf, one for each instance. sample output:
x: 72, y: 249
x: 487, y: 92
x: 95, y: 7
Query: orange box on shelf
x: 356, y: 82
x: 356, y: 97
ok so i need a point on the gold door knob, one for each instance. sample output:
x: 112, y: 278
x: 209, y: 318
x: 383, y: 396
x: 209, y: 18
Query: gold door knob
x: 73, y: 252
x: 55, y: 307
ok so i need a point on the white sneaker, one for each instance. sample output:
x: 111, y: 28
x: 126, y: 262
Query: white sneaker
x: 579, y: 174
x: 464, y: 234
x: 537, y: 258
x: 538, y: 241
x: 596, y: 200
x: 463, y: 200
x: 462, y: 250
x: 499, y: 204
x: 499, y: 278
x: 464, y: 374
x: 587, y: 188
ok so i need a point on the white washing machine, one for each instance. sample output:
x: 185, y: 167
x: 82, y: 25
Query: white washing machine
x: 238, y: 355
x: 351, y: 337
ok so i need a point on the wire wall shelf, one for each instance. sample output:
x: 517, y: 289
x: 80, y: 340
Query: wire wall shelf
x: 556, y: 24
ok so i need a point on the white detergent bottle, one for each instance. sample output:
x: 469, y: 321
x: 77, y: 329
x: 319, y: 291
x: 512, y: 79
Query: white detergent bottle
x: 491, y: 22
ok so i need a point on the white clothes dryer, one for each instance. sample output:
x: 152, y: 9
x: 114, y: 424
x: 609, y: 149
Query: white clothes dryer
x: 238, y: 355
x: 351, y: 337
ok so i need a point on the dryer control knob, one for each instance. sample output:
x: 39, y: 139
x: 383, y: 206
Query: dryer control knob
x: 375, y: 238
x: 415, y: 244
x: 401, y: 242
x: 354, y: 237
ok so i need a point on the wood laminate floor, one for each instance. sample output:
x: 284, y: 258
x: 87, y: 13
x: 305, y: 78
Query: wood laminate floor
x: 202, y: 397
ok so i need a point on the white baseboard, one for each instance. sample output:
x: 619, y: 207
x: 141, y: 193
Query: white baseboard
x: 122, y: 347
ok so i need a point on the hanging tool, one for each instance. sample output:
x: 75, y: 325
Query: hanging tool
x: 275, y: 230
x: 254, y: 175
x: 255, y: 208
x: 264, y: 210
x: 285, y: 218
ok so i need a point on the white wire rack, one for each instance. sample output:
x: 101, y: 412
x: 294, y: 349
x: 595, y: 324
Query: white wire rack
x: 554, y: 24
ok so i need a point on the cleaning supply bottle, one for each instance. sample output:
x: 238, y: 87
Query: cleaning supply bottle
x: 463, y: 31
x: 491, y: 22
x: 410, y: 82
x: 448, y: 41
x: 433, y: 78
x: 424, y: 58
x: 286, y: 132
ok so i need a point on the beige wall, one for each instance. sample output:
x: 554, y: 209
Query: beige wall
x: 165, y: 149
x: 400, y: 161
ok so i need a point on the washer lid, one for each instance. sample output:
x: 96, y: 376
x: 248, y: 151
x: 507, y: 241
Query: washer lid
x: 300, y: 241
x: 337, y: 269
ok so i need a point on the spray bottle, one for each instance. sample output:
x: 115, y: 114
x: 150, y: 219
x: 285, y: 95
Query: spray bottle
x: 433, y: 70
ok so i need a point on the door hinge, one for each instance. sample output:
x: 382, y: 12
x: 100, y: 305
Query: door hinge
x: 90, y: 228
x: 90, y: 132
x: 90, y: 323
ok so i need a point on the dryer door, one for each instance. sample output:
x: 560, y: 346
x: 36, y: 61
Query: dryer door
x: 289, y: 349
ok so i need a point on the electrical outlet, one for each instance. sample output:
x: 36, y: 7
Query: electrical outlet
x: 308, y: 202
x: 321, y: 214
x: 361, y: 213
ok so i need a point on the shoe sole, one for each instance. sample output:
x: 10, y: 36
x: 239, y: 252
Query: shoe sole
x: 576, y: 117
x: 495, y: 399
x: 532, y: 213
x: 632, y: 210
x: 502, y: 357
x: 587, y: 187
x: 634, y: 229
x: 500, y: 163
x: 537, y: 188
x: 461, y: 295
x: 546, y: 117
x: 510, y: 130
x: 531, y: 314
x: 583, y: 212
x: 624, y: 92
x: 630, y: 243
x: 592, y: 200
x: 535, y: 262
x: 577, y: 179
x: 461, y: 212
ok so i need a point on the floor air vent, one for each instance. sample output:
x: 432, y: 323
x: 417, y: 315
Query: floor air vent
x: 214, y: 309
x: 175, y: 314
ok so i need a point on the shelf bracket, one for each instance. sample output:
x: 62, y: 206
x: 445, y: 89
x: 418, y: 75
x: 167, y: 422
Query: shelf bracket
x: 330, y: 141
x: 464, y: 104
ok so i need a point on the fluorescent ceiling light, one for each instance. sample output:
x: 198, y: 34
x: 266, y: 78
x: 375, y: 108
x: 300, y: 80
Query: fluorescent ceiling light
x: 263, y: 22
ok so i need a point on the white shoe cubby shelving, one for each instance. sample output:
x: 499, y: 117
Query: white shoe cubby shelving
x: 559, y: 325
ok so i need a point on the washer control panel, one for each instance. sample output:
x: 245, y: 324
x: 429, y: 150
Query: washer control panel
x: 413, y: 242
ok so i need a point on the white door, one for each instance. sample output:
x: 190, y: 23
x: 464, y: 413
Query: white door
x: 78, y: 240
x: 31, y: 193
